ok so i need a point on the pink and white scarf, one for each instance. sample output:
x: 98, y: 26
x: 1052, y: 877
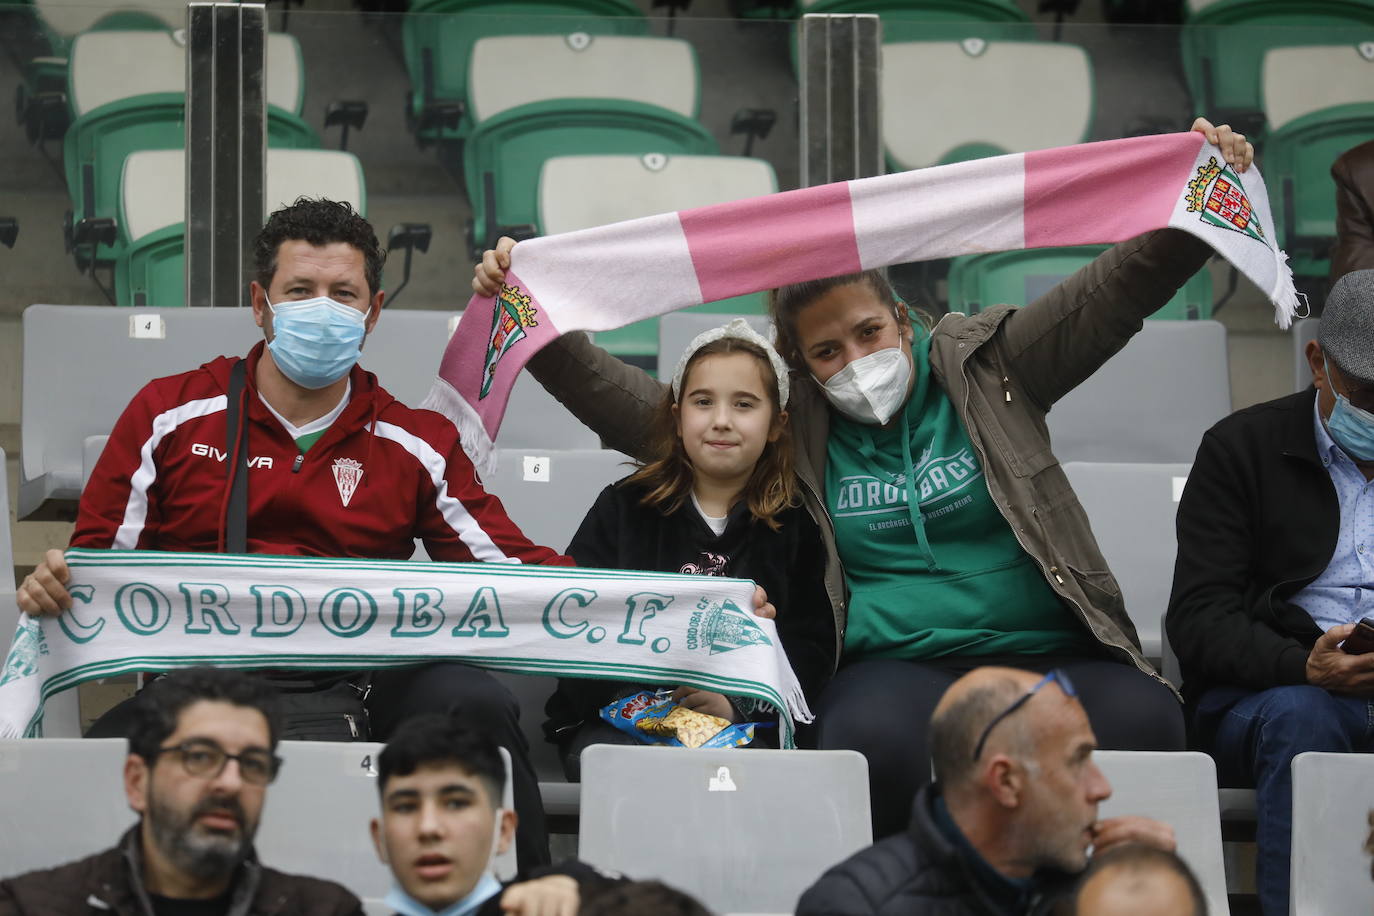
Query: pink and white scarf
x: 607, y: 277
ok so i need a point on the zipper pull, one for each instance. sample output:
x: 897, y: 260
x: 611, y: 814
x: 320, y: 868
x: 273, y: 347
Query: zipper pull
x: 296, y: 465
x: 352, y: 726
x: 1006, y: 388
x: 1054, y: 570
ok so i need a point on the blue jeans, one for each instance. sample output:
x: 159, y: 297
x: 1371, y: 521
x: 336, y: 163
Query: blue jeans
x: 1254, y: 736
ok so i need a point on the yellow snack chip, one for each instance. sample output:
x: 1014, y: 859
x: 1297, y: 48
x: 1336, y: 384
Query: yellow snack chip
x: 690, y: 727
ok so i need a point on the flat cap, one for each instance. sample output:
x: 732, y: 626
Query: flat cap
x: 1346, y: 332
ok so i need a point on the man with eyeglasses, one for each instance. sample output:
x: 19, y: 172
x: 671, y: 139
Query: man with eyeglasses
x: 1274, y: 573
x: 200, y: 759
x: 1010, y: 818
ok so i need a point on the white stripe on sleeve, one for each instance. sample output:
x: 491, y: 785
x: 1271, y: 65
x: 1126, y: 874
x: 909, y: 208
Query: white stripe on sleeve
x: 136, y: 509
x: 467, y: 528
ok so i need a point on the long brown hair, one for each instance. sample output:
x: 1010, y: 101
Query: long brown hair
x: 771, y: 488
x: 786, y: 302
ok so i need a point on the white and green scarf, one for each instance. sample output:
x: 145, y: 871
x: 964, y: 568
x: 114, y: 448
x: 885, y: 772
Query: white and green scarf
x: 158, y: 611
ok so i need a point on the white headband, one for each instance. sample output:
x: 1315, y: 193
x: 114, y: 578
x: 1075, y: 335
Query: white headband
x: 739, y: 329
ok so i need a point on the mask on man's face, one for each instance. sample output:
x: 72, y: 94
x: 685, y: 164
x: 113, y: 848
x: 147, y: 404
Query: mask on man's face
x: 316, y: 342
x: 1350, y: 427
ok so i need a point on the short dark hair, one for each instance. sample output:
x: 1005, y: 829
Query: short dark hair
x: 635, y: 897
x: 158, y: 706
x: 319, y: 222
x: 1136, y: 858
x: 432, y: 739
x: 954, y: 730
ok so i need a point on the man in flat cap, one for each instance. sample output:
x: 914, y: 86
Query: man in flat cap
x: 1275, y: 571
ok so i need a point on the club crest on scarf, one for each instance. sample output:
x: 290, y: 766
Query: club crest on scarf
x: 723, y: 627
x: 28, y: 645
x: 513, y: 313
x: 1216, y: 194
x: 347, y: 473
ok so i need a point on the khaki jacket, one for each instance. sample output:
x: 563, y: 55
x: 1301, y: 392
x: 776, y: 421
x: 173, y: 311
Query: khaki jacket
x: 1003, y: 369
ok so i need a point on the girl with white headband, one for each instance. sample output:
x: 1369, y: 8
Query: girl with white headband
x: 717, y: 496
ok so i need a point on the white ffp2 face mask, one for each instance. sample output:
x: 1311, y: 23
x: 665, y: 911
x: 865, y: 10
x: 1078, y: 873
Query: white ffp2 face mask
x: 872, y: 388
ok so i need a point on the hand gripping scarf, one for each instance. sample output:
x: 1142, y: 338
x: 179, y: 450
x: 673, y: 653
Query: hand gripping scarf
x: 607, y: 277
x: 155, y: 611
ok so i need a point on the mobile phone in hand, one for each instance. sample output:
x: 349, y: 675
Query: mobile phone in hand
x: 1362, y: 640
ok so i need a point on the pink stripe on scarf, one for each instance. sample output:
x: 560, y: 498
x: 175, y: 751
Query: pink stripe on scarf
x: 751, y: 245
x: 464, y: 359
x: 1073, y: 194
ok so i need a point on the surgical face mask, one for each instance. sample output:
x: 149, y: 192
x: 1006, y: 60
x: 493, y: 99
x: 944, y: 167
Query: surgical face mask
x: 872, y: 388
x: 315, y: 342
x: 1352, y: 429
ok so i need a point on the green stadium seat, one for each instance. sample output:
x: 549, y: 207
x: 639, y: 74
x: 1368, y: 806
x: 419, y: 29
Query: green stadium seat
x: 126, y: 92
x: 578, y: 192
x: 994, y: 97
x: 1319, y: 102
x: 151, y: 271
x: 438, y: 35
x: 936, y: 20
x: 1224, y: 43
x: 63, y: 20
x: 574, y: 100
x: 1020, y: 277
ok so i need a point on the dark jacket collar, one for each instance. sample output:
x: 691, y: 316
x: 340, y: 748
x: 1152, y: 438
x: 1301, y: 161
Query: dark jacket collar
x: 127, y: 892
x: 1298, y: 440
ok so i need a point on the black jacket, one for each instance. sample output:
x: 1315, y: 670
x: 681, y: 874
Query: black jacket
x: 619, y: 533
x: 1258, y: 521
x: 111, y: 882
x: 921, y: 871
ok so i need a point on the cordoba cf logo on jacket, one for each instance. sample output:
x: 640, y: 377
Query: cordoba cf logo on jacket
x: 347, y: 473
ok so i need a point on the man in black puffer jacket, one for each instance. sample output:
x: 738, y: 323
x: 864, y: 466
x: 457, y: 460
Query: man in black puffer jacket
x: 1008, y: 821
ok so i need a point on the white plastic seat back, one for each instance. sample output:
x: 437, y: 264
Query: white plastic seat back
x: 1298, y: 80
x: 743, y: 831
x: 153, y: 196
x: 72, y: 17
x: 1131, y: 508
x: 1014, y: 95
x: 510, y: 70
x: 547, y: 492
x: 315, y: 820
x: 1151, y: 402
x: 1332, y: 798
x: 677, y: 329
x: 404, y: 351
x: 578, y: 192
x: 109, y: 66
x: 1304, y: 331
x: 62, y: 798
x: 1180, y: 789
x: 83, y: 364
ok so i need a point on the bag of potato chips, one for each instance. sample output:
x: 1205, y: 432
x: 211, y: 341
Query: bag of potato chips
x: 654, y: 718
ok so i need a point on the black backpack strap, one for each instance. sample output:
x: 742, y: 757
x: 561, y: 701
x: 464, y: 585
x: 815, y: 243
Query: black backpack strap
x: 236, y: 454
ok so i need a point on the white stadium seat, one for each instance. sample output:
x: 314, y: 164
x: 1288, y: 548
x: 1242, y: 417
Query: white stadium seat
x: 743, y: 831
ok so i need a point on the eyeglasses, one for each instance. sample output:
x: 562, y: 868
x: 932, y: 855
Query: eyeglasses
x: 205, y: 758
x: 1055, y: 675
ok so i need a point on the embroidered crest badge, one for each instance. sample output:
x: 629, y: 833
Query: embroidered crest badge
x: 28, y: 645
x: 1217, y: 196
x: 347, y: 473
x: 724, y: 627
x: 513, y: 314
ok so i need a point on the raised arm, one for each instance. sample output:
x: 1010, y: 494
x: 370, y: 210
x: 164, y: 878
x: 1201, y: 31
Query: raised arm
x: 1057, y: 341
x: 613, y: 399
